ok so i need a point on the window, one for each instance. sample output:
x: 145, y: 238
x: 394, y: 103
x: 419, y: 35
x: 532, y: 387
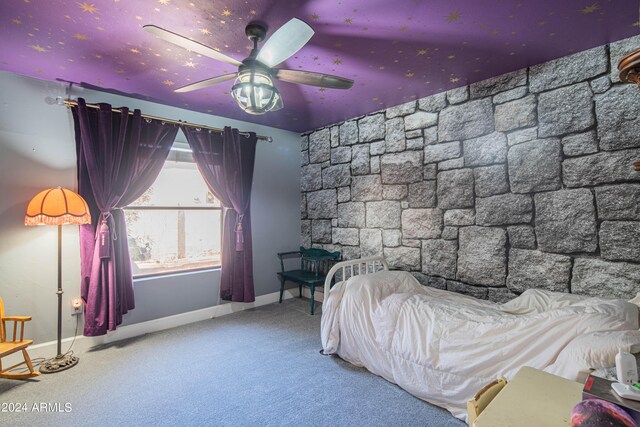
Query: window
x: 176, y: 225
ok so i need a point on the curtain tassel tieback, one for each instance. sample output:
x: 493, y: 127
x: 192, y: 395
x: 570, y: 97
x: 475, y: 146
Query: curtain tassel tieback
x: 105, y: 233
x: 239, y: 233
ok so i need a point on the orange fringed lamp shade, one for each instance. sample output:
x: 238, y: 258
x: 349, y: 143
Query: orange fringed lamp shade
x: 57, y: 206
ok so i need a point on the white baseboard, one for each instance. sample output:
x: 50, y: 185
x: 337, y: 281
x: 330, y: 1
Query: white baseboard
x: 48, y: 349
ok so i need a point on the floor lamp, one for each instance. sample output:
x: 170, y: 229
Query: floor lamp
x: 58, y: 206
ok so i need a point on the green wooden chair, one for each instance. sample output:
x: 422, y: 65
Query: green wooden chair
x: 314, y: 265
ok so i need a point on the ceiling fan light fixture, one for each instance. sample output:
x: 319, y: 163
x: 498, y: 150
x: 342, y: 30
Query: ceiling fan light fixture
x: 255, y: 93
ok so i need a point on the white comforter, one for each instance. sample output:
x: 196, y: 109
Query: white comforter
x: 442, y: 346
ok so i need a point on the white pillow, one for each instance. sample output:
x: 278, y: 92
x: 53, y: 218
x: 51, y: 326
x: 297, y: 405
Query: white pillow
x: 595, y: 350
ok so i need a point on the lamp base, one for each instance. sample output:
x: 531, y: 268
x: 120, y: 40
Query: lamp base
x: 59, y: 363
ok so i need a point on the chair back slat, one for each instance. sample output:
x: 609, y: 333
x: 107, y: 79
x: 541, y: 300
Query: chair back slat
x: 2, y: 331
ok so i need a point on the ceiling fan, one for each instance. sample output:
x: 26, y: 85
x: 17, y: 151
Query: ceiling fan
x: 253, y: 89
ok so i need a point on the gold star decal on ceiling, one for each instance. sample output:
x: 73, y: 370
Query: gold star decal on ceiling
x: 253, y: 11
x: 348, y: 21
x: 87, y: 7
x: 454, y: 79
x: 16, y: 21
x: 190, y: 64
x: 590, y: 9
x: 453, y: 17
x: 421, y: 52
x: 81, y: 37
x: 119, y: 71
x: 315, y: 17
x: 322, y: 89
x: 636, y: 24
x: 450, y: 57
x: 205, y: 31
x: 134, y: 50
x: 404, y: 28
x: 164, y: 2
x: 337, y: 61
x: 168, y: 83
x: 164, y: 70
x: 38, y: 48
x: 409, y: 75
x: 542, y: 23
x: 226, y: 12
x: 315, y: 58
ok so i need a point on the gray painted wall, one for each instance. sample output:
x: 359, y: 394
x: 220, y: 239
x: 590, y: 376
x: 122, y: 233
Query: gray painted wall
x: 37, y: 150
x: 525, y: 180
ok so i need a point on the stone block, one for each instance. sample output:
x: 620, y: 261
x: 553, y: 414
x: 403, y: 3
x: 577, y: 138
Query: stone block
x: 482, y: 256
x: 450, y: 233
x: 340, y: 155
x: 371, y: 242
x: 391, y: 238
x: 485, y: 150
x: 403, y: 258
x: 523, y: 135
x: 458, y: 95
x: 344, y: 194
x: 504, y: 209
x: 371, y: 128
x: 321, y: 231
x: 618, y: 113
x: 499, y: 84
x: 466, y: 121
x: 415, y: 143
x: 305, y: 233
x: 365, y: 188
x: 490, y: 180
x: 535, y: 269
x: 620, y: 240
x: 401, y: 110
x: 439, y: 258
x: 522, y: 237
x: 412, y: 243
x: 322, y: 204
x: 394, y: 138
x: 401, y: 168
x: 335, y: 136
x: 433, y: 103
x: 421, y: 223
x: 303, y: 206
x: 438, y: 152
x: 516, y: 114
x: 374, y: 164
x: 568, y: 69
x: 350, y: 252
x: 319, y: 146
x: 535, y: 166
x: 394, y: 191
x: 566, y: 221
x: 510, y: 95
x: 605, y: 279
x: 360, y: 159
x: 377, y: 148
x: 430, y: 172
x: 431, y: 135
x: 304, y: 157
x: 336, y: 176
x: 431, y: 281
x: 346, y: 236
x: 351, y: 214
x: 455, y: 189
x: 383, y: 214
x: 304, y: 142
x: 565, y: 110
x: 618, y: 202
x: 422, y: 194
x: 451, y: 164
x: 311, y: 177
x: 580, y: 144
x: 420, y: 120
x: 412, y: 134
x: 462, y: 288
x: 460, y: 217
x: 349, y: 133
x: 601, y: 168
x: 601, y: 84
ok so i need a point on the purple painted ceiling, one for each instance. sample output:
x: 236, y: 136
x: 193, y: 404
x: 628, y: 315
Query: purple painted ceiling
x: 395, y: 51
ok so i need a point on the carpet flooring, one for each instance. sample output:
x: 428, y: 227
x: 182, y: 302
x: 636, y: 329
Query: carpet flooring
x: 256, y: 367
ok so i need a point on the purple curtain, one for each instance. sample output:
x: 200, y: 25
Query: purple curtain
x: 119, y: 157
x: 226, y: 163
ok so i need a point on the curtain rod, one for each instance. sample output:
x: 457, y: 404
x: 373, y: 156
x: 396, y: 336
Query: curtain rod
x: 71, y: 103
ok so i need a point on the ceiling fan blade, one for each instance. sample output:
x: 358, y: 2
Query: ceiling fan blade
x: 206, y: 83
x: 313, y: 79
x: 286, y: 41
x: 188, y: 44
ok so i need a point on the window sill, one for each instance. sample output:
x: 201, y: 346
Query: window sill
x: 174, y: 274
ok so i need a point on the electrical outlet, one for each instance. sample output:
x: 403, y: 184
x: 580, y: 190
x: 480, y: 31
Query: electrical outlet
x: 76, y: 306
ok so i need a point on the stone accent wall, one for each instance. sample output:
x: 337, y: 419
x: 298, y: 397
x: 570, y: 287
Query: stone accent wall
x: 520, y: 181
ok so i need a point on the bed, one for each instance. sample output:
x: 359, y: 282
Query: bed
x: 442, y: 346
